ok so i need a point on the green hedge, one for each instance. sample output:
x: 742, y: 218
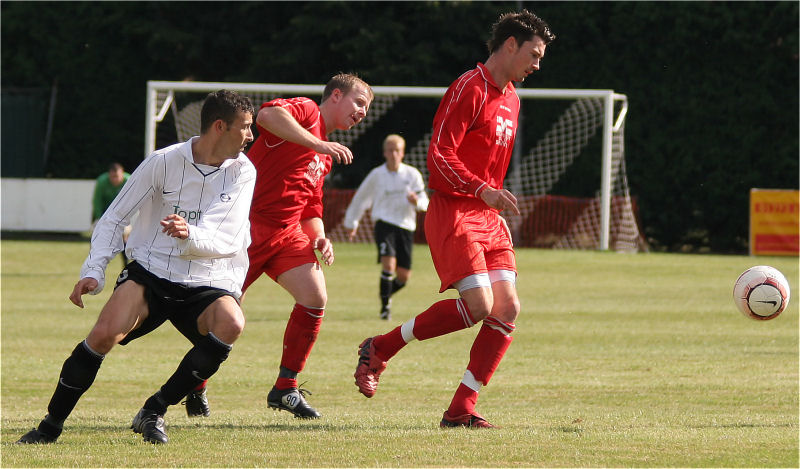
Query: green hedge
x: 713, y: 87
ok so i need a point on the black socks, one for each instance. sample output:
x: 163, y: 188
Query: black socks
x: 202, y: 361
x: 77, y: 375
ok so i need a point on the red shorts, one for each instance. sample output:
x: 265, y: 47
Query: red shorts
x: 466, y: 237
x: 273, y: 251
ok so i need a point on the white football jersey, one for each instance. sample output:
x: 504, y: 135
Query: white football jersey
x: 386, y: 192
x: 215, y: 201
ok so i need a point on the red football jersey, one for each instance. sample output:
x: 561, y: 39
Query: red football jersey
x: 290, y: 176
x: 473, y: 135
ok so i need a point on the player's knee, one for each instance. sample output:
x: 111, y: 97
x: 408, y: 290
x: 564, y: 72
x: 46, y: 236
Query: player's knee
x: 229, y: 326
x: 224, y: 317
x: 507, y: 310
x: 102, y: 338
x: 322, y: 300
x: 480, y: 314
x: 232, y: 328
x: 313, y: 299
x: 479, y: 309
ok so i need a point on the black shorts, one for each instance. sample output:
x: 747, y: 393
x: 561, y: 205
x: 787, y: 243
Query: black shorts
x: 395, y: 242
x: 167, y: 300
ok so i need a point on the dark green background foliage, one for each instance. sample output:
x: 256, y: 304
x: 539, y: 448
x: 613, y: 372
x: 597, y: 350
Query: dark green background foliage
x: 713, y: 87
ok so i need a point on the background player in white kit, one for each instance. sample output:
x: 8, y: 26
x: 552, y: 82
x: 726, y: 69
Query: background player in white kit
x: 395, y: 192
x: 189, y: 257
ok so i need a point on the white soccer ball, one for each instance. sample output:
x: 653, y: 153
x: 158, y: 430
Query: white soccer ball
x: 761, y: 292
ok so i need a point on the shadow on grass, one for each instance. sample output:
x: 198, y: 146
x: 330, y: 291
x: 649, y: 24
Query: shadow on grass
x: 10, y: 431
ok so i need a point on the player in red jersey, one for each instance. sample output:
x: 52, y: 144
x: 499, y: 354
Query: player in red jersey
x: 292, y: 156
x: 473, y: 137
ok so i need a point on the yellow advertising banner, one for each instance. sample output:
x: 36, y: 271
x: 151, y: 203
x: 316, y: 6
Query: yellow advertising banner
x: 774, y: 222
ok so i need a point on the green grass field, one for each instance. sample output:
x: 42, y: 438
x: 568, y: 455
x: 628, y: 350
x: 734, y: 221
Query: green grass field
x: 618, y: 361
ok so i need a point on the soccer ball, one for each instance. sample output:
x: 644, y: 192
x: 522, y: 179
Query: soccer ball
x: 761, y: 292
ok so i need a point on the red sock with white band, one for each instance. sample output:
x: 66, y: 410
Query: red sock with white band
x: 441, y: 318
x: 487, y: 351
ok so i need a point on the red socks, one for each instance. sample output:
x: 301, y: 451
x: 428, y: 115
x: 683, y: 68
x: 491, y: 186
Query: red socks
x: 447, y: 316
x: 285, y: 383
x: 300, y: 336
x: 441, y: 318
x: 463, y: 401
x: 487, y: 351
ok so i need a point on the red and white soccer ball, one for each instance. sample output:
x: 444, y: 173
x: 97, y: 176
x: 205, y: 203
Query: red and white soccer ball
x: 761, y: 292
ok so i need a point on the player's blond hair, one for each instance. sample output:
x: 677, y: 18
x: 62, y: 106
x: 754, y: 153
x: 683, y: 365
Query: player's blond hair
x: 394, y: 138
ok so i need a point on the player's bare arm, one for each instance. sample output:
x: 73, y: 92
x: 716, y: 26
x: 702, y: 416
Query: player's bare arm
x: 281, y: 123
x: 314, y: 228
x: 500, y: 199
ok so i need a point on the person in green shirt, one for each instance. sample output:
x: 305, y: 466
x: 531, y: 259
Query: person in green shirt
x: 106, y: 188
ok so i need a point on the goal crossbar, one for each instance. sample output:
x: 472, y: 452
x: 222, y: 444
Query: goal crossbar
x: 156, y: 113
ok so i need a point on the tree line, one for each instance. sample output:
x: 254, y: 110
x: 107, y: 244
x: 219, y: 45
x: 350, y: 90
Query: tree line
x: 713, y: 87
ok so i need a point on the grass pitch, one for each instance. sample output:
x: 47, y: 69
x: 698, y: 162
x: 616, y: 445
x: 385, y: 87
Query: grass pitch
x: 618, y: 360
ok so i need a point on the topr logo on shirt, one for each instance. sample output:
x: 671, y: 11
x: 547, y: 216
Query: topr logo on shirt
x: 188, y: 215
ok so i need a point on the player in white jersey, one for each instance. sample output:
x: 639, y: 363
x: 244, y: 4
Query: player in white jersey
x: 188, y: 248
x: 395, y: 192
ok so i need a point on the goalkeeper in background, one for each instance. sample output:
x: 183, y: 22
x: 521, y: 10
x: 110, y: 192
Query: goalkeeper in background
x: 106, y: 188
x: 395, y: 193
x: 470, y: 150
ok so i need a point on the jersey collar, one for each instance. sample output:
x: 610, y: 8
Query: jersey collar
x: 488, y: 76
x: 186, y: 151
x: 490, y: 79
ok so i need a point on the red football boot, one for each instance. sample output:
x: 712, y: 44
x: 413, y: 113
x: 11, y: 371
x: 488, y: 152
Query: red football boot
x: 467, y: 420
x: 369, y: 368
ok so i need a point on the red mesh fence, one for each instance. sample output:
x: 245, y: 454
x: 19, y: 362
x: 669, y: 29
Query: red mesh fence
x: 548, y: 221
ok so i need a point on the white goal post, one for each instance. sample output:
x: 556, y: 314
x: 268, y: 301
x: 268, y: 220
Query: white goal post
x: 607, y: 111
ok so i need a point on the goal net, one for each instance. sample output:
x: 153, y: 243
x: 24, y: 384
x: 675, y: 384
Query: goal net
x: 567, y: 172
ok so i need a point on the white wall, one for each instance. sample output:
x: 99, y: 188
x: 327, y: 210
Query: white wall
x: 59, y: 205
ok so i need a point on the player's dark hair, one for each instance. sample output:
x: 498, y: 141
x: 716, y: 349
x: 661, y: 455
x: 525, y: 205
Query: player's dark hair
x: 522, y: 26
x: 224, y: 105
x: 345, y: 82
